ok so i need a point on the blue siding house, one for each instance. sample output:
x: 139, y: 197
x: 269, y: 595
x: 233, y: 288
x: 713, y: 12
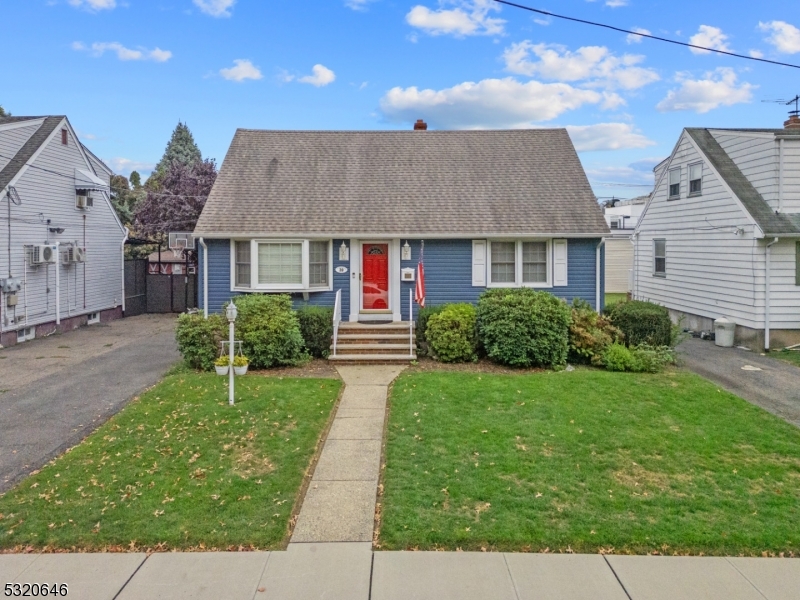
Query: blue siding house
x: 320, y: 213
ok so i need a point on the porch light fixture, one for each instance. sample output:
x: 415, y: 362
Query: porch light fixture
x: 406, y: 251
x: 344, y: 252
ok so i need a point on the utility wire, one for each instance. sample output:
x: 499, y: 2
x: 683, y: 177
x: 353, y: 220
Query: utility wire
x: 646, y: 35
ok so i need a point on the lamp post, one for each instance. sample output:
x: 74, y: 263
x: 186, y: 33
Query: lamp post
x: 231, y: 312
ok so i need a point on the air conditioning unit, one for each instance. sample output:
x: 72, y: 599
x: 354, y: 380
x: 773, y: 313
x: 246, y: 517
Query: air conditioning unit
x: 83, y: 201
x: 43, y: 254
x: 73, y: 254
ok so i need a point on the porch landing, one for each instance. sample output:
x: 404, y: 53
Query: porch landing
x: 374, y: 343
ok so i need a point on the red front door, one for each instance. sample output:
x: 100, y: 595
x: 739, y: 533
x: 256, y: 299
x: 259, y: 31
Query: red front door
x: 375, y: 280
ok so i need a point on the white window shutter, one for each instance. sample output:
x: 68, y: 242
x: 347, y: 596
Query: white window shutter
x: 559, y: 262
x: 479, y: 263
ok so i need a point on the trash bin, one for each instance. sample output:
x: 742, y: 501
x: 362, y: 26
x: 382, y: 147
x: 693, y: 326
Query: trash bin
x: 724, y: 330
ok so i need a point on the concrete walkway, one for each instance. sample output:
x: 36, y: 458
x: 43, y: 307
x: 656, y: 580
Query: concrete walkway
x: 350, y: 571
x: 774, y: 385
x: 340, y: 502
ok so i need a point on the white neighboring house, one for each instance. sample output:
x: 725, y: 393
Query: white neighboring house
x: 61, y: 243
x: 622, y: 217
x: 720, y: 236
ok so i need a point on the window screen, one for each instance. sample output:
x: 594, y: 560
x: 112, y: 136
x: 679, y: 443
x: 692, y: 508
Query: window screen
x: 660, y: 253
x: 280, y: 263
x: 318, y: 264
x: 675, y: 183
x: 503, y: 262
x: 534, y: 262
x: 242, y: 264
x: 695, y: 178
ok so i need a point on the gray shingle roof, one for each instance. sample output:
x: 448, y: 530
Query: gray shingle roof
x: 427, y: 183
x: 29, y: 148
x: 770, y: 222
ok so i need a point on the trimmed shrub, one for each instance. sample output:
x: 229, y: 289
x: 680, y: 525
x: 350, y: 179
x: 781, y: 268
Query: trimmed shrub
x: 316, y: 327
x: 643, y: 323
x: 451, y: 333
x: 198, y: 339
x: 590, y: 334
x: 521, y: 327
x: 269, y: 330
x: 422, y: 327
x: 638, y: 359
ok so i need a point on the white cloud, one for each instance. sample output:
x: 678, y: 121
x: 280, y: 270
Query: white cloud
x: 616, y: 3
x: 595, y: 65
x: 94, y: 5
x: 215, y: 8
x: 124, y: 166
x: 242, y: 70
x: 467, y: 17
x: 709, y: 37
x: 357, y: 4
x: 99, y: 48
x: 606, y: 136
x: 785, y: 37
x: 632, y: 38
x: 320, y: 76
x: 490, y: 103
x: 756, y: 53
x: 719, y: 88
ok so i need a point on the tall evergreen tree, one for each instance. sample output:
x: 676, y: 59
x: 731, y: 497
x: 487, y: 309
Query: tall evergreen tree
x: 136, y: 180
x: 181, y: 148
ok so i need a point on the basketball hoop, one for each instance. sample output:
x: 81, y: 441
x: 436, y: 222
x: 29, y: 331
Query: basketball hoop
x: 178, y: 248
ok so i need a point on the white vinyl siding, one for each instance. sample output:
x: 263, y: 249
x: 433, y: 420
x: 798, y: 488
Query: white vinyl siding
x: 756, y: 155
x: 280, y: 264
x: 619, y: 262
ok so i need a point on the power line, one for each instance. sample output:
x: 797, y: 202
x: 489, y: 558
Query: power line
x: 647, y: 35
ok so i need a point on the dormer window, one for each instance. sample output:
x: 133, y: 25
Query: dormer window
x: 675, y: 183
x: 696, y: 179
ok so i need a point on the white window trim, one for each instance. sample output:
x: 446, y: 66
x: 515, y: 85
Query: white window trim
x: 518, y: 264
x: 670, y: 184
x: 655, y: 257
x: 281, y: 287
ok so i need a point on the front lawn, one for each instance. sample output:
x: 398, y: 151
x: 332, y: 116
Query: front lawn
x: 179, y: 468
x: 588, y: 461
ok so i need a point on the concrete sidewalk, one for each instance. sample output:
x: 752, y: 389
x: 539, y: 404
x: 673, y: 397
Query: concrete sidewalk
x: 351, y: 571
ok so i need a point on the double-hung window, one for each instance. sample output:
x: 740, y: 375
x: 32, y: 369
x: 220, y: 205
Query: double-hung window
x: 675, y: 183
x: 660, y: 258
x: 695, y: 179
x: 282, y: 265
x: 519, y: 263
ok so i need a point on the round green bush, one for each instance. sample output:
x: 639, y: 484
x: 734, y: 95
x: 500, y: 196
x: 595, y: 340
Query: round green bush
x: 198, y: 339
x: 316, y: 327
x: 424, y: 314
x: 269, y: 330
x: 618, y: 357
x: 643, y: 323
x: 451, y: 333
x: 521, y: 327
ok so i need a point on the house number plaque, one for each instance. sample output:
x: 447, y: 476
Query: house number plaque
x: 341, y: 269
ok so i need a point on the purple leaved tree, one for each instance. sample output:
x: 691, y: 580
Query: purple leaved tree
x: 178, y: 201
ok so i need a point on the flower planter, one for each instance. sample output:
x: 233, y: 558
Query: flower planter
x: 240, y: 370
x: 221, y: 370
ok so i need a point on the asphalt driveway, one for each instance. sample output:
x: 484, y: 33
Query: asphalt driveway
x: 770, y: 383
x: 57, y: 390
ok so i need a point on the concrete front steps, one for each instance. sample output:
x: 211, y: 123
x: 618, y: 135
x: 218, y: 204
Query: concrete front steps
x: 374, y: 343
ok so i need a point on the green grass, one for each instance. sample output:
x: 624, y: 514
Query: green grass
x: 612, y: 299
x: 790, y: 356
x: 179, y: 468
x: 589, y: 461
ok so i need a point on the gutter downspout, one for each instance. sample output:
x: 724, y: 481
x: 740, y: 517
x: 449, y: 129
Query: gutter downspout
x: 58, y: 285
x: 766, y: 297
x: 597, y: 274
x: 780, y: 175
x: 205, y: 277
x: 633, y: 282
x: 122, y: 258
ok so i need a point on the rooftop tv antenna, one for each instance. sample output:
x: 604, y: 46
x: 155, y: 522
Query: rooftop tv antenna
x: 795, y: 101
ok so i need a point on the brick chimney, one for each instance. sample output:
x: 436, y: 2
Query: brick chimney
x: 421, y: 125
x: 792, y: 123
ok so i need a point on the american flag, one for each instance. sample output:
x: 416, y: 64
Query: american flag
x: 419, y: 293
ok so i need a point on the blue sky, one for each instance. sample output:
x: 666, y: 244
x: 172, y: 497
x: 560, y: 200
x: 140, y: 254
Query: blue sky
x: 125, y: 71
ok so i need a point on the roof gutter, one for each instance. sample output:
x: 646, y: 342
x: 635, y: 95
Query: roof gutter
x: 205, y: 277
x: 766, y: 296
x: 394, y: 235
